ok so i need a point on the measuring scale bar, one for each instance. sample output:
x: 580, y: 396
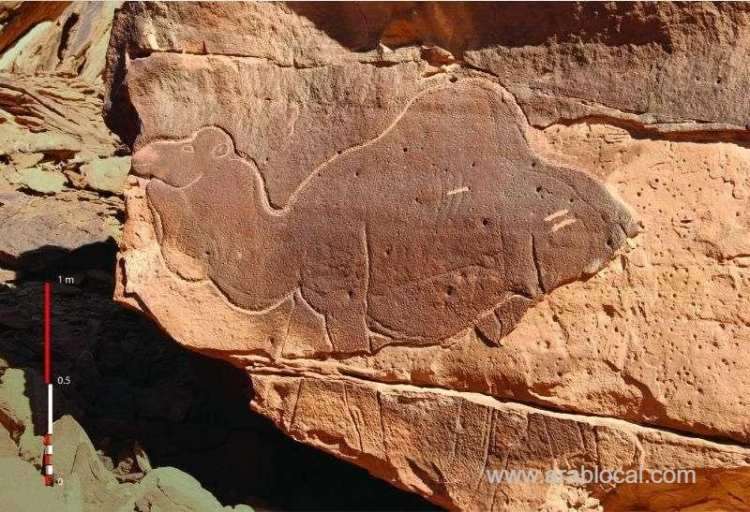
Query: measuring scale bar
x: 48, y: 472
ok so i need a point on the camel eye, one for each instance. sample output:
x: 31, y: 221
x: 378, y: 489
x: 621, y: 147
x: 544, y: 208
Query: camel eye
x: 221, y: 150
x: 188, y: 148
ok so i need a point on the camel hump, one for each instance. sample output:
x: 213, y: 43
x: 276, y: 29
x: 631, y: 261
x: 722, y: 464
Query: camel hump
x: 465, y: 213
x: 472, y: 115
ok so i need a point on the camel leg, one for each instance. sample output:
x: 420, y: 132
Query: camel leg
x: 347, y: 329
x: 345, y: 312
x: 183, y: 244
x: 334, y: 282
x: 493, y: 326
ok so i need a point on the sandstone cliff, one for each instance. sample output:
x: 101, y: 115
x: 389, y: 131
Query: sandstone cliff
x: 328, y: 196
x: 138, y: 427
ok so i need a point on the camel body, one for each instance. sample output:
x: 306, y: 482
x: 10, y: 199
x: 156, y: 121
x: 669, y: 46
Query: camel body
x: 445, y: 221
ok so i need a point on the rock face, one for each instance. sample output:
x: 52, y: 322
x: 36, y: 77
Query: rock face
x: 69, y: 38
x: 51, y: 129
x: 417, y: 228
x: 407, y: 238
x: 56, y: 156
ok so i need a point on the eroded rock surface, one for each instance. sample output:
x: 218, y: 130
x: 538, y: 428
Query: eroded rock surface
x: 69, y: 38
x: 407, y: 237
x: 261, y: 216
x: 52, y: 135
x: 62, y: 174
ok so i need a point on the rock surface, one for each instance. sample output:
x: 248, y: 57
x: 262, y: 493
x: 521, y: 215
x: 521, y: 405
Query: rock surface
x: 52, y: 133
x: 69, y: 38
x: 137, y: 422
x: 380, y: 348
x: 473, y: 240
x: 106, y: 174
x: 51, y: 57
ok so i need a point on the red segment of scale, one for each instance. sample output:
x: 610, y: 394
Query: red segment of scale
x: 47, y: 334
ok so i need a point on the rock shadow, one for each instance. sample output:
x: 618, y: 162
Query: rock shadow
x: 131, y: 384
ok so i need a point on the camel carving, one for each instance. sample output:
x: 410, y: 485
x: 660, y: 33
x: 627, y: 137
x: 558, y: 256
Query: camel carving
x: 446, y: 221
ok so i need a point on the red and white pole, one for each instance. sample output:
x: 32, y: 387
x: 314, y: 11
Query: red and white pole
x: 47, y: 469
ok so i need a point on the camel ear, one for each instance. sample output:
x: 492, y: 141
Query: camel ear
x: 214, y: 141
x: 220, y: 150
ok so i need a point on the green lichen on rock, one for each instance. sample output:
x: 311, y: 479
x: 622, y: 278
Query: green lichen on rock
x: 107, y: 174
x: 38, y: 180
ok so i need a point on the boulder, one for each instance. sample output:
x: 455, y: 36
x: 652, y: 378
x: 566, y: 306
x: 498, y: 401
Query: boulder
x: 56, y: 37
x: 37, y: 231
x: 84, y: 484
x: 56, y: 116
x: 170, y: 489
x: 36, y: 179
x: 21, y: 489
x: 107, y: 174
x: 15, y: 406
